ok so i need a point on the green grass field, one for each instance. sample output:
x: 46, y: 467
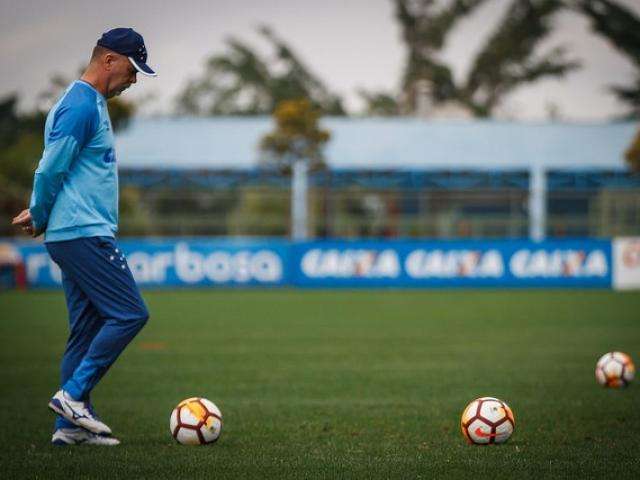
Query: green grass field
x: 324, y: 384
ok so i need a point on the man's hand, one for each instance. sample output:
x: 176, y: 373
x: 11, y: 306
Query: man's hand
x: 23, y: 220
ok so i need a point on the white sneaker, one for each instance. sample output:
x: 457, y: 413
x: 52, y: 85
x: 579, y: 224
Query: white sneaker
x: 77, y: 412
x: 80, y: 436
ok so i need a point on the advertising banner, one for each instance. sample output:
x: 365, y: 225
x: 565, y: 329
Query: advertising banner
x: 353, y: 264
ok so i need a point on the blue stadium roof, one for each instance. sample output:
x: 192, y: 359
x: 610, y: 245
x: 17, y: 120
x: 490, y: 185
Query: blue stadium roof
x: 371, y: 143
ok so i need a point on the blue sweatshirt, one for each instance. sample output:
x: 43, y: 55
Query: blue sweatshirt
x: 75, y: 188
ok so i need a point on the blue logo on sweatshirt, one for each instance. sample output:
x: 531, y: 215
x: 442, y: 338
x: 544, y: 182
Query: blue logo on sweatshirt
x: 109, y: 156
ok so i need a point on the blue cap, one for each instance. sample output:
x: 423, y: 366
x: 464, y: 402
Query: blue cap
x: 128, y: 42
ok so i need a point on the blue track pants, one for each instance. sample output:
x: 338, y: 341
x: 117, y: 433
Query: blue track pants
x: 105, y: 308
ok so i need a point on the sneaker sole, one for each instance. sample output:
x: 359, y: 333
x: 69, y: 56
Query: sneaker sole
x: 61, y: 441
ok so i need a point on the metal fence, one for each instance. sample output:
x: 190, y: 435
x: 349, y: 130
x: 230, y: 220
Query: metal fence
x: 375, y: 204
x: 343, y: 213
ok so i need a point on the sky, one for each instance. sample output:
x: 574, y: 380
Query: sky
x: 349, y: 44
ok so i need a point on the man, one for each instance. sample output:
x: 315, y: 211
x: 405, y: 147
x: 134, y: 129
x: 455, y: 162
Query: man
x: 75, y: 204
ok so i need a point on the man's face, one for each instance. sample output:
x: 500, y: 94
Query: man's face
x: 122, y: 74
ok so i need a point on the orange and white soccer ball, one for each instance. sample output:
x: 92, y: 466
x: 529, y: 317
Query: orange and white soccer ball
x: 487, y: 420
x: 615, y: 370
x: 196, y: 421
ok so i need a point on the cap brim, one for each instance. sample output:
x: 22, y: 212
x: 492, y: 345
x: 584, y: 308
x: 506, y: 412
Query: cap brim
x: 143, y: 68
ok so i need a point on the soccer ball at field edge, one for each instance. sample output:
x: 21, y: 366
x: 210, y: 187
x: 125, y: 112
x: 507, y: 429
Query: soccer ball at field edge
x: 487, y: 421
x: 615, y: 370
x: 195, y: 421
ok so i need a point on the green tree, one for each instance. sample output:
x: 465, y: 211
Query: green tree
x: 298, y: 81
x: 425, y: 26
x: 242, y: 82
x: 297, y: 136
x: 507, y: 60
x: 632, y: 155
x: 20, y: 147
x: 621, y: 27
x: 379, y: 104
x: 9, y: 123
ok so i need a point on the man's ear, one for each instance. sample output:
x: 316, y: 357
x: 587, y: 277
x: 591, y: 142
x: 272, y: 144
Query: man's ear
x: 108, y: 60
